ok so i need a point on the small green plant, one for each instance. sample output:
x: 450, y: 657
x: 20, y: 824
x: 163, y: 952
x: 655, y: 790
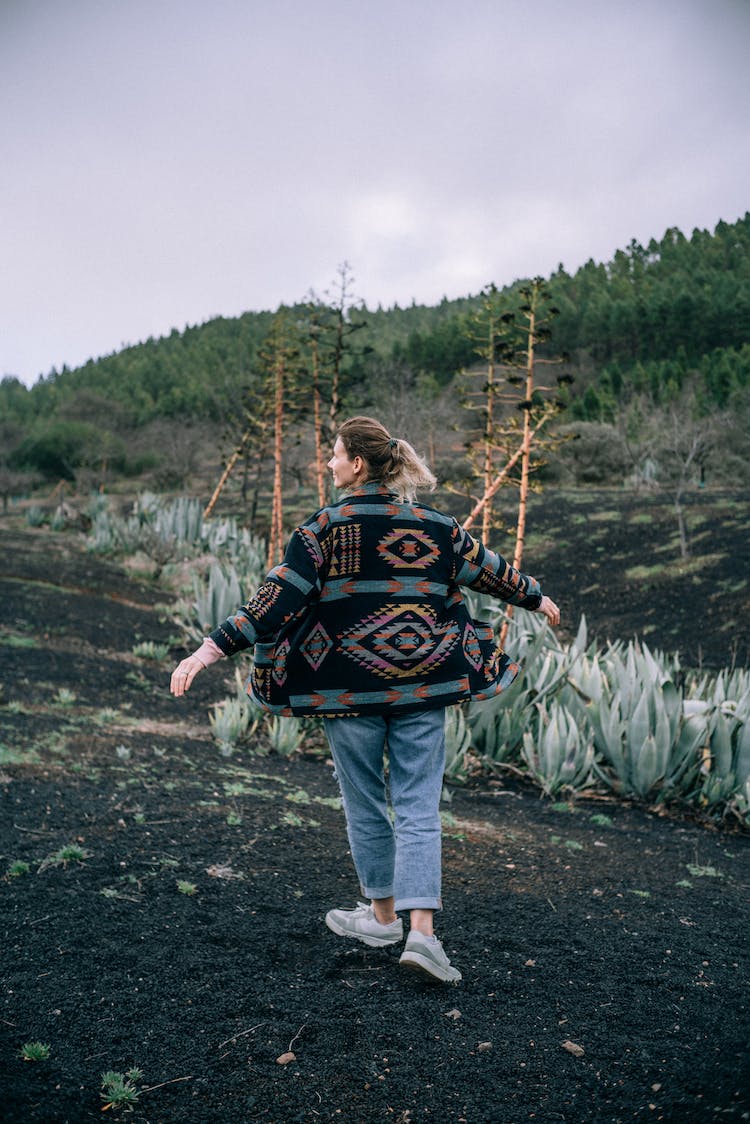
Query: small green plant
x: 601, y: 820
x: 119, y: 1089
x: 234, y: 820
x: 8, y: 640
x: 35, y: 1051
x: 284, y: 734
x: 703, y: 871
x: 35, y: 516
x: 18, y: 868
x: 298, y: 797
x: 107, y: 716
x: 149, y: 650
x: 71, y: 853
x: 65, y: 697
x: 187, y: 888
x: 292, y: 820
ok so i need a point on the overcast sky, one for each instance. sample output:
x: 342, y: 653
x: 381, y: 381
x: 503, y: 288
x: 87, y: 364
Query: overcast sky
x: 167, y: 161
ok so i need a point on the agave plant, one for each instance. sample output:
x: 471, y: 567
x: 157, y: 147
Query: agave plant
x: 648, y: 744
x: 212, y: 601
x: 498, y: 725
x: 725, y: 761
x: 561, y: 755
x: 233, y: 719
x: 284, y: 734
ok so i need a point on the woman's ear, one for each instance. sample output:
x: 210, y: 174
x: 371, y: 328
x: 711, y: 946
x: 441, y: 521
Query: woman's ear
x: 358, y: 465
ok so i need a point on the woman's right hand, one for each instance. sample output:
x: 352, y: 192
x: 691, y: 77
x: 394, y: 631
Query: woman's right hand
x: 184, y: 674
x: 550, y: 610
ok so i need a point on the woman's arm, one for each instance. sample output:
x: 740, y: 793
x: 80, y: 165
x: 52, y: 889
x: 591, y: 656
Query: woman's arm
x: 481, y: 569
x: 286, y: 589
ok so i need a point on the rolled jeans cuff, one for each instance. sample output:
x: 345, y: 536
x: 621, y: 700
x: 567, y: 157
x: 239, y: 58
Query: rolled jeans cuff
x: 417, y: 903
x: 377, y: 892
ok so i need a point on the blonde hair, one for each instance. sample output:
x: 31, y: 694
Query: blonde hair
x: 390, y: 460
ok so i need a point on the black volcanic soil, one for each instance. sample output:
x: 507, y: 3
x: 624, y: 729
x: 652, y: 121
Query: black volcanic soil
x: 604, y: 926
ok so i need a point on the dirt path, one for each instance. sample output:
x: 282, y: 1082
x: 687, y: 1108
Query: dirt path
x: 612, y: 930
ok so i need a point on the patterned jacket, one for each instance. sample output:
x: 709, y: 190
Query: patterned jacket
x: 365, y: 614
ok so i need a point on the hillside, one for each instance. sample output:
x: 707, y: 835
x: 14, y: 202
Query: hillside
x: 658, y: 321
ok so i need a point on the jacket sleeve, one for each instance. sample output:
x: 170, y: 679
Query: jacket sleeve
x: 481, y: 569
x: 287, y: 588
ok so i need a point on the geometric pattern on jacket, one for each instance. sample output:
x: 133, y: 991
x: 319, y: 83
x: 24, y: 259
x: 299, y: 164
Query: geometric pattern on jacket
x: 365, y: 614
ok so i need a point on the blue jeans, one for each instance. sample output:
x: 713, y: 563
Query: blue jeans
x: 399, y: 858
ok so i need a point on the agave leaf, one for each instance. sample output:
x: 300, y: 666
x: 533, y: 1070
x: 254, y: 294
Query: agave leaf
x: 742, y: 753
x: 579, y: 644
x: 721, y: 745
x: 648, y: 767
x: 639, y: 726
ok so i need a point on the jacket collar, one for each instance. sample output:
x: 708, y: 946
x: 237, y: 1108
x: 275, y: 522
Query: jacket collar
x: 369, y: 488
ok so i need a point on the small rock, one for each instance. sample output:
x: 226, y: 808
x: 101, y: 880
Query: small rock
x: 530, y: 964
x: 285, y: 1059
x: 573, y: 1048
x: 484, y: 1046
x: 453, y: 1014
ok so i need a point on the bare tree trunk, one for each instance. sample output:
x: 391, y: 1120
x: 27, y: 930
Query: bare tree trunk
x: 275, y: 536
x: 526, y: 448
x: 318, y: 425
x: 489, y: 434
x: 501, y: 476
x: 523, y: 493
x: 222, y: 480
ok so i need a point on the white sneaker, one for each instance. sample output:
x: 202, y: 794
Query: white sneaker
x: 362, y: 925
x: 426, y: 956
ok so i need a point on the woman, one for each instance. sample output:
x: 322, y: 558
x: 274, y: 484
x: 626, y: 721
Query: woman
x: 364, y: 624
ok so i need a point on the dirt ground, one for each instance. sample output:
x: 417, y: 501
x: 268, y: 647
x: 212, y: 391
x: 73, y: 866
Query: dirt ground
x: 603, y: 946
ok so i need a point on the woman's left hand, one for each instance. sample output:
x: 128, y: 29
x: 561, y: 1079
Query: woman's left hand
x: 550, y: 610
x: 184, y: 674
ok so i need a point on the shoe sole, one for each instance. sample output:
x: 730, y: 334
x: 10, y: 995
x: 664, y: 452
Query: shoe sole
x: 427, y: 969
x: 365, y: 938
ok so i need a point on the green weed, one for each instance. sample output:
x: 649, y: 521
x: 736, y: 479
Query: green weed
x: 11, y: 640
x: 328, y: 801
x: 107, y: 716
x: 601, y: 820
x: 704, y: 871
x: 65, y: 697
x: 14, y: 707
x: 35, y: 1051
x: 186, y: 888
x: 9, y: 756
x: 119, y: 1090
x: 71, y: 853
x: 292, y: 820
x: 298, y: 797
x: 18, y: 868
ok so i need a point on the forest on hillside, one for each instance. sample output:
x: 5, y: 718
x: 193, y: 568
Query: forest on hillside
x: 649, y: 349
